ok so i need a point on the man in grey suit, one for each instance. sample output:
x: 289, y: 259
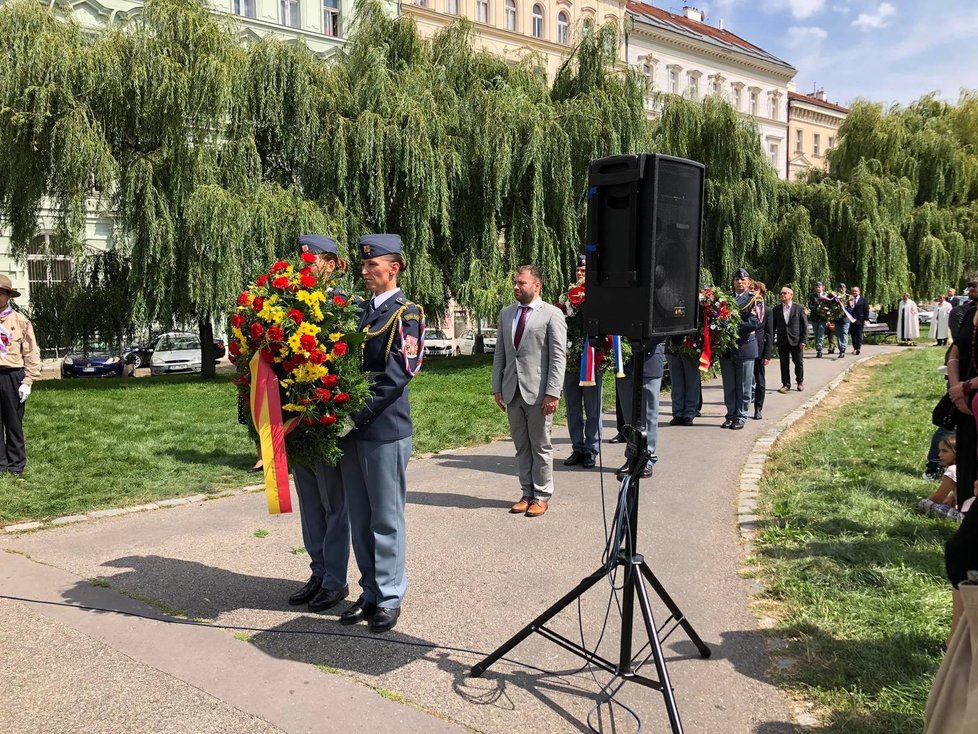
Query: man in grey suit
x: 527, y: 376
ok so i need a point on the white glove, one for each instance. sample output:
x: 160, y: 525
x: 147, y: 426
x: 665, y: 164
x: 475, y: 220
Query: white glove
x: 347, y: 426
x: 25, y: 391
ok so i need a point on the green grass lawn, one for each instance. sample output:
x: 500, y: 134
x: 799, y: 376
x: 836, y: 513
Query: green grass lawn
x: 854, y: 575
x: 106, y: 443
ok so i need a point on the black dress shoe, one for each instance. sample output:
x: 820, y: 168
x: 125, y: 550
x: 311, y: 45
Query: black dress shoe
x: 384, y: 619
x: 737, y: 426
x: 677, y: 420
x: 727, y: 423
x: 687, y: 421
x: 328, y: 598
x: 758, y: 414
x: 358, y: 612
x: 647, y: 471
x: 576, y: 457
x: 307, y: 592
x: 588, y: 462
x: 617, y: 439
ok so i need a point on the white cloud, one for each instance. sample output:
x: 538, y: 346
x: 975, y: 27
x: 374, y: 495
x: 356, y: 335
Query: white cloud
x: 843, y: 9
x: 806, y: 35
x: 799, y: 9
x: 879, y: 19
x: 805, y: 8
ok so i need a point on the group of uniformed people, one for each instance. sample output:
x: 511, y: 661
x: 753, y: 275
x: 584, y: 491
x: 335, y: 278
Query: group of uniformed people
x: 363, y: 498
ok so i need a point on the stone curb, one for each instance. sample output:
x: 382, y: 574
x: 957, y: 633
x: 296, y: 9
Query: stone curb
x: 748, y: 521
x: 24, y: 527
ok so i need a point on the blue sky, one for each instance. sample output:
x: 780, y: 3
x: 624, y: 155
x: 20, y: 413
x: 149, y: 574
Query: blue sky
x: 888, y: 51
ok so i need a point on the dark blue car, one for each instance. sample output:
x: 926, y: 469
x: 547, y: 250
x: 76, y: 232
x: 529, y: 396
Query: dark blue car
x: 97, y: 361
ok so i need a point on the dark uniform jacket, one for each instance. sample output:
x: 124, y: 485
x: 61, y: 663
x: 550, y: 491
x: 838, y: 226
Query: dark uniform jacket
x: 653, y: 368
x: 749, y: 322
x: 813, y: 305
x: 392, y: 355
x: 765, y: 334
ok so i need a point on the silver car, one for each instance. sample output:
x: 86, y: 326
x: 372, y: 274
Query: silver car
x: 466, y: 344
x: 175, y: 353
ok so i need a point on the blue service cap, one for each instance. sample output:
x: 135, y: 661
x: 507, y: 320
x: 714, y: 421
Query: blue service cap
x: 318, y: 244
x: 375, y: 245
x: 581, y: 261
x: 741, y: 273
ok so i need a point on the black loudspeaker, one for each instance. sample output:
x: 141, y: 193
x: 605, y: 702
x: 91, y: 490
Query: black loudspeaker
x: 644, y: 239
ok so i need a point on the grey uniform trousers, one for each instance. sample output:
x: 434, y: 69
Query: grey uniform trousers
x: 375, y: 477
x: 325, y: 522
x: 651, y: 388
x: 583, y: 413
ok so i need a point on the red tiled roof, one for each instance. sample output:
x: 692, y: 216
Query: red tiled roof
x: 795, y: 97
x: 705, y: 29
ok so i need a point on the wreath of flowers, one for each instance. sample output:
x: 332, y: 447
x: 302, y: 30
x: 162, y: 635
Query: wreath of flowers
x: 570, y: 304
x: 721, y: 313
x: 828, y: 308
x: 308, y: 334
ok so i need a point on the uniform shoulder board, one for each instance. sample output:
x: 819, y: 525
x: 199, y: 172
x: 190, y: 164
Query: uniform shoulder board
x: 400, y: 300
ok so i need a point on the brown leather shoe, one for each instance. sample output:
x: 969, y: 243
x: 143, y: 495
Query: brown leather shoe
x: 537, y: 508
x: 520, y: 507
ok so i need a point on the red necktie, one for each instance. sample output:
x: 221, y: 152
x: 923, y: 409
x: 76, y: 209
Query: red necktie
x: 520, y: 326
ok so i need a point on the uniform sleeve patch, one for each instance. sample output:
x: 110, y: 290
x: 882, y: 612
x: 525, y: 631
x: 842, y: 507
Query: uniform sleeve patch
x: 410, y: 346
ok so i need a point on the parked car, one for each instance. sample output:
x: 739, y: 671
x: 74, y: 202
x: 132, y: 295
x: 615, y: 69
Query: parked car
x: 141, y: 354
x: 466, y: 344
x: 96, y: 360
x: 437, y: 343
x: 174, y: 353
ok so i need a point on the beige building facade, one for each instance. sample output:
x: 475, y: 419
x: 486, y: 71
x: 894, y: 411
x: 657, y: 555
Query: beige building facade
x: 686, y: 55
x: 813, y: 129
x: 513, y: 29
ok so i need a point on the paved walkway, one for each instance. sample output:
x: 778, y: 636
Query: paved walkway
x: 477, y: 574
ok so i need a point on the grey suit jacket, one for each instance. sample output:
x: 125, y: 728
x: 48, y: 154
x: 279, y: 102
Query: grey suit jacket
x: 537, y: 367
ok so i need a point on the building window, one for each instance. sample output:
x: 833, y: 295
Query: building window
x: 831, y: 143
x: 773, y: 151
x: 738, y: 97
x: 289, y: 13
x: 482, y: 11
x: 331, y: 18
x: 715, y: 86
x: 563, y: 28
x: 755, y: 101
x: 673, y: 80
x: 693, y: 85
x: 45, y: 266
x: 649, y: 75
x: 799, y: 141
x: 244, y: 8
x: 451, y: 7
x: 510, y: 15
x: 537, y: 21
x: 817, y: 145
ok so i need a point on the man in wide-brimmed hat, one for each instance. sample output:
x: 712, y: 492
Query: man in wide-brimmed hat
x: 20, y: 365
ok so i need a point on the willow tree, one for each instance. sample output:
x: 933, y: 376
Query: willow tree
x: 897, y: 209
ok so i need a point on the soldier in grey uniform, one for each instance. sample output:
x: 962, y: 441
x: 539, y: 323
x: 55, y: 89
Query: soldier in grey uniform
x: 376, y: 452
x: 322, y: 501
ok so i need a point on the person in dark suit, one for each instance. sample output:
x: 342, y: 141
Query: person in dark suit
x: 859, y: 308
x: 765, y: 343
x: 791, y: 331
x: 652, y: 374
x: 376, y: 452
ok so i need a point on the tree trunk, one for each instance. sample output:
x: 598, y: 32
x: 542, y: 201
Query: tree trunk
x: 208, y: 368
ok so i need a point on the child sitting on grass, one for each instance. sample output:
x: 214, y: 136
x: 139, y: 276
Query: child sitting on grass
x: 942, y: 502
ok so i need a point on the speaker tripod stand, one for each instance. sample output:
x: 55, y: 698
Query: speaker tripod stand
x: 636, y: 574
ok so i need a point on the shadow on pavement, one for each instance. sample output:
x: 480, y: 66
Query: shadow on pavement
x: 459, y: 501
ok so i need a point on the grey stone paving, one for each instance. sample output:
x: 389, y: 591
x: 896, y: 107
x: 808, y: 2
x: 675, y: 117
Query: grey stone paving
x: 477, y: 574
